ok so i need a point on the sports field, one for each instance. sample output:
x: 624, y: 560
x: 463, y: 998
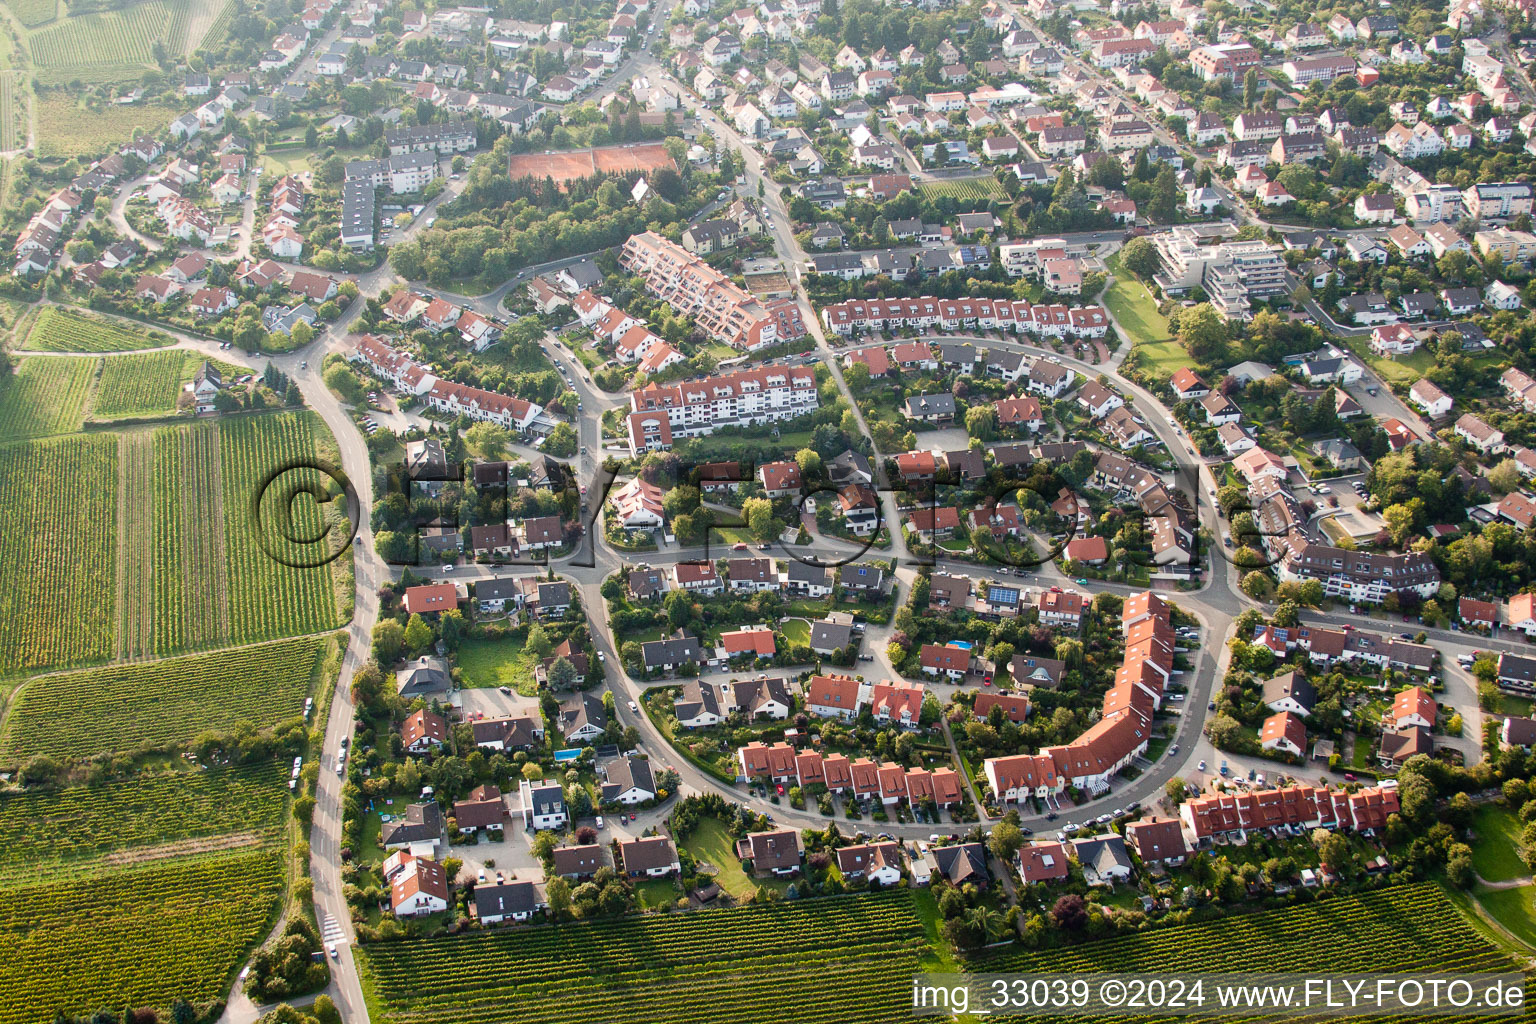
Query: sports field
x: 586, y: 163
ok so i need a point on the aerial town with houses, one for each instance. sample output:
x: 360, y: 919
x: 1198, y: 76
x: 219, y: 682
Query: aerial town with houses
x: 562, y: 505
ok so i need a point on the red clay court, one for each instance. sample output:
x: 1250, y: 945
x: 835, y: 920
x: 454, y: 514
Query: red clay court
x: 586, y: 163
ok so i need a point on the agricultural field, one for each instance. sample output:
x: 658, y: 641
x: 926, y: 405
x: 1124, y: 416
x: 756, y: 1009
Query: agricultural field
x: 963, y: 189
x: 63, y: 330
x: 67, y: 128
x: 151, y: 704
x: 134, y: 938
x: 85, y: 830
x: 57, y: 552
x: 135, y: 547
x: 109, y: 46
x: 191, y: 593
x: 142, y: 384
x: 33, y: 13
x: 1399, y: 930
x: 269, y: 598
x: 721, y: 967
x: 13, y: 111
x: 46, y: 395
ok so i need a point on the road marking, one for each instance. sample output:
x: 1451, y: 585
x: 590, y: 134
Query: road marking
x: 331, y: 932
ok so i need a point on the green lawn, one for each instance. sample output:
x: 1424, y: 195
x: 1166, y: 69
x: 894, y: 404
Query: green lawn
x: 796, y: 631
x: 1515, y: 909
x: 293, y: 161
x: 712, y: 844
x: 656, y: 892
x: 1496, y: 854
x: 1509, y: 704
x: 1402, y: 370
x: 1135, y: 310
x: 506, y: 662
x: 939, y: 957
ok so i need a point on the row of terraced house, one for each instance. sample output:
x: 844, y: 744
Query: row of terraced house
x: 925, y: 312
x: 1120, y: 735
x: 861, y: 779
x: 409, y: 377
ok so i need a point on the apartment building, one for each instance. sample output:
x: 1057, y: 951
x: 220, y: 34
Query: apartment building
x: 1359, y: 575
x: 693, y: 408
x: 723, y: 310
x: 454, y: 137
x: 1234, y: 274
x: 1497, y: 200
x: 1224, y: 60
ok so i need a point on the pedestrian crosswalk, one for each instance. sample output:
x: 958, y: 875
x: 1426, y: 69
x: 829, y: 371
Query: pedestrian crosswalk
x: 331, y: 932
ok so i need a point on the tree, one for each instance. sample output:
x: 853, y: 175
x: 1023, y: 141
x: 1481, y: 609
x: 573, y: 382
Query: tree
x: 562, y: 441
x: 340, y: 379
x: 1332, y: 849
x: 1250, y: 87
x: 388, y: 641
x: 488, y: 440
x: 1175, y: 789
x: 1258, y: 585
x: 539, y: 642
x: 557, y: 893
x: 987, y: 922
x: 1505, y: 477
x: 981, y: 422
x: 562, y: 674
x: 418, y: 635
x: 1202, y: 332
x: 758, y: 512
x: 1140, y: 257
x: 1070, y: 912
x: 809, y: 462
x: 1399, y: 520
x: 532, y: 772
x: 1006, y: 840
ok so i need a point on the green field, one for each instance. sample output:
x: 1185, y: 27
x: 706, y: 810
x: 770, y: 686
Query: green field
x: 67, y: 128
x: 1514, y: 908
x: 109, y: 46
x: 133, y: 938
x: 1496, y: 854
x: 87, y: 829
x: 46, y: 395
x: 986, y: 187
x: 843, y: 960
x: 142, y: 384
x: 57, y: 551
x: 152, y: 704
x: 1391, y: 931
x: 506, y: 662
x: 269, y: 598
x: 32, y: 13
x: 712, y: 844
x: 1135, y: 310
x: 63, y: 330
